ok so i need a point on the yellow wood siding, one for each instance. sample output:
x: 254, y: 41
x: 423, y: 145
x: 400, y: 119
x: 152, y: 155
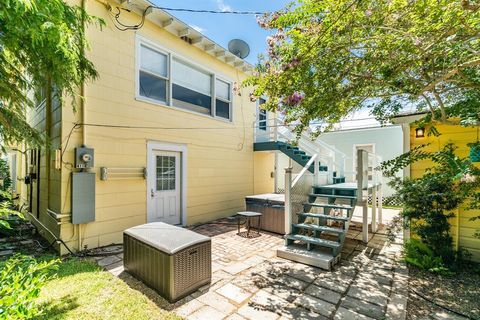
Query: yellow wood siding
x: 263, y: 174
x: 220, y: 162
x: 462, y: 228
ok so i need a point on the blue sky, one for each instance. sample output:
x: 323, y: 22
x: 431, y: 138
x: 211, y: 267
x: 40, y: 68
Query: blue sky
x: 221, y: 28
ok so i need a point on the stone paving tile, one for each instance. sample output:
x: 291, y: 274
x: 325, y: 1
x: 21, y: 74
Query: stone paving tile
x: 269, y: 302
x: 299, y: 313
x: 247, y: 282
x: 206, y: 312
x: 345, y: 314
x: 335, y: 281
x: 324, y: 294
x: 188, y: 308
x: 235, y: 316
x: 250, y: 282
x: 253, y: 313
x: 369, y: 294
x: 292, y: 282
x: 108, y: 260
x: 117, y: 270
x: 235, y: 268
x: 363, y: 307
x: 234, y: 293
x: 286, y: 293
x: 322, y: 307
x: 217, y: 301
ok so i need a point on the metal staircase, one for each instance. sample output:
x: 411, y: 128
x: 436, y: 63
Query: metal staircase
x: 322, y: 225
x: 319, y: 203
x: 293, y: 152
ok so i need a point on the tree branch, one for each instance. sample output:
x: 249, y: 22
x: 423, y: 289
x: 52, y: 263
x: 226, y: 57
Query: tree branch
x: 431, y: 86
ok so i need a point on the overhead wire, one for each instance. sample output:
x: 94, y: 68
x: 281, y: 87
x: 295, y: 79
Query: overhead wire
x: 124, y: 27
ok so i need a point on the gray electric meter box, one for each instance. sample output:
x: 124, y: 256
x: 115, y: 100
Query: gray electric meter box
x: 84, y: 158
x: 83, y: 197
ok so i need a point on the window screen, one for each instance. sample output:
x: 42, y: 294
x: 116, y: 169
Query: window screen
x: 191, y: 89
x: 153, y: 74
x: 223, y: 99
x: 166, y: 178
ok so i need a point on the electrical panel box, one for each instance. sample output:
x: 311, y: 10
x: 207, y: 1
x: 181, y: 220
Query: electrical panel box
x: 83, y: 197
x: 84, y: 158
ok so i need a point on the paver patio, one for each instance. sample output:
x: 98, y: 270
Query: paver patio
x: 250, y: 282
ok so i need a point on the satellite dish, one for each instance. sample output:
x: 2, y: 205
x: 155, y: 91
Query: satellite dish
x: 239, y: 48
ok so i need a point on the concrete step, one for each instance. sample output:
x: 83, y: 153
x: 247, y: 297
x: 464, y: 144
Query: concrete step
x: 316, y: 241
x: 315, y: 257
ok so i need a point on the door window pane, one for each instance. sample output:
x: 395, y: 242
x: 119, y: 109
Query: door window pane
x: 166, y: 173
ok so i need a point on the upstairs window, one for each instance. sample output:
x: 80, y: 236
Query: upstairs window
x: 192, y: 88
x: 153, y: 78
x: 223, y: 99
x: 173, y: 81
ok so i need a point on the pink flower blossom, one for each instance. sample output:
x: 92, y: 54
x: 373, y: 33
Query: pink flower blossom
x: 294, y: 99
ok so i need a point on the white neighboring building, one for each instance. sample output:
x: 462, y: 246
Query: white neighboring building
x: 387, y: 142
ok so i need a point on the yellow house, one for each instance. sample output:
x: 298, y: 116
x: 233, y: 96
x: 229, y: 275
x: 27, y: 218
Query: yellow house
x: 463, y: 229
x: 163, y: 115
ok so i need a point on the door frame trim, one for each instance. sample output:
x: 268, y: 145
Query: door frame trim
x: 175, y: 147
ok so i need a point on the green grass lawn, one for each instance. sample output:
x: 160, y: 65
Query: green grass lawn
x: 83, y: 290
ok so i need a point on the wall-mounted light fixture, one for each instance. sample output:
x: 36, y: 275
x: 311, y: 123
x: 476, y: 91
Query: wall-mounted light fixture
x: 419, y: 133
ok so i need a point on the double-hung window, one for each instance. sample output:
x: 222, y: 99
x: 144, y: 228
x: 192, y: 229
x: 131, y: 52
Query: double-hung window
x: 191, y: 88
x: 172, y: 81
x: 223, y: 100
x: 153, y: 74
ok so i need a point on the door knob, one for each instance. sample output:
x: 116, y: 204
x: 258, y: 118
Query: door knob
x: 152, y: 193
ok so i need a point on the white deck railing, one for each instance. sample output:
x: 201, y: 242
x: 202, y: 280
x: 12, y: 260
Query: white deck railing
x: 277, y: 130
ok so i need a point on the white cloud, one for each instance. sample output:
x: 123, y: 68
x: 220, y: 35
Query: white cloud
x: 222, y: 6
x: 199, y: 29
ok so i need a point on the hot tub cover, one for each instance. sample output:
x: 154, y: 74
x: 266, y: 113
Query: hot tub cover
x: 165, y: 237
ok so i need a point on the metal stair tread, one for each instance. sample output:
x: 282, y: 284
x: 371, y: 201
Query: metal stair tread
x: 326, y: 205
x: 324, y: 195
x: 323, y: 216
x: 319, y: 228
x: 317, y: 241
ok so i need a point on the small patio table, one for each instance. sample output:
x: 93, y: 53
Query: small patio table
x: 249, y: 215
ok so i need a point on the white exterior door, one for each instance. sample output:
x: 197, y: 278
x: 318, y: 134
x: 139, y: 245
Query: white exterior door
x: 164, y: 198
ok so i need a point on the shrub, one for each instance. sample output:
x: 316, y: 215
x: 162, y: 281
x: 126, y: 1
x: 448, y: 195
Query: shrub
x: 7, y: 212
x: 21, y: 279
x: 431, y: 200
x: 421, y: 256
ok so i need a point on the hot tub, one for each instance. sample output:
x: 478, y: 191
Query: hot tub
x: 272, y: 208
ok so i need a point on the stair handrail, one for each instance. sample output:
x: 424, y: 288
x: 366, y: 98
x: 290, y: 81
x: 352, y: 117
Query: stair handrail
x: 335, y: 158
x: 305, y: 169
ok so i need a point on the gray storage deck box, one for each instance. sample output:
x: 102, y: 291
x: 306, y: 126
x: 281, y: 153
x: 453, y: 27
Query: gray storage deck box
x: 172, y: 260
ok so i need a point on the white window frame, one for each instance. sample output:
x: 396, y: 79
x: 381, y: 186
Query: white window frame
x: 140, y: 40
